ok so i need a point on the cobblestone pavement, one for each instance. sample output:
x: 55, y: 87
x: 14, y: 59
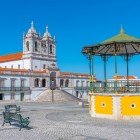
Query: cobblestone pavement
x: 67, y: 122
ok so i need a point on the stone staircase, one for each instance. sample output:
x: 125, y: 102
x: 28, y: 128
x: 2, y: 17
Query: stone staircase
x: 59, y: 96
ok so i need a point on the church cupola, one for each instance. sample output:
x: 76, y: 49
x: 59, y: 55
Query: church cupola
x: 49, y: 42
x: 47, y: 34
x: 32, y: 31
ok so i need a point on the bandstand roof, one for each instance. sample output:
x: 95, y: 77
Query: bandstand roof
x: 121, y: 37
x: 120, y: 44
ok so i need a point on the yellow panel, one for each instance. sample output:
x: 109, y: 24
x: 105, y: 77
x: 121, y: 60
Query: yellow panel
x: 103, y: 105
x: 130, y: 105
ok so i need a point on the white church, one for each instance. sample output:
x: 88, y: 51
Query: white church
x: 27, y: 75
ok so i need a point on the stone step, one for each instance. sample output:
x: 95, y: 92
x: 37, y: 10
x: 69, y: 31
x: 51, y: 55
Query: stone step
x: 59, y: 96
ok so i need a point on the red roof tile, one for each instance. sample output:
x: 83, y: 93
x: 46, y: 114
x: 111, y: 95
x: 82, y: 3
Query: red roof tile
x: 11, y: 57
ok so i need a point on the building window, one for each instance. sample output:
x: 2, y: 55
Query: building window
x: 44, y: 66
x: 18, y: 66
x: 12, y: 83
x: 61, y: 82
x: 36, y: 82
x: 67, y: 83
x: 12, y: 96
x: 82, y: 83
x: 27, y: 46
x: 77, y: 83
x: 35, y: 67
x: 5, y: 66
x: 22, y: 83
x: 1, y: 83
x: 12, y: 66
x: 36, y: 47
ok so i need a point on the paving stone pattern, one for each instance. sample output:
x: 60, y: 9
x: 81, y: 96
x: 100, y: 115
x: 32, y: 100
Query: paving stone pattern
x: 67, y: 122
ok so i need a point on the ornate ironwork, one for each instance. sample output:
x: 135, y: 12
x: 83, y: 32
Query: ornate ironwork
x: 119, y: 45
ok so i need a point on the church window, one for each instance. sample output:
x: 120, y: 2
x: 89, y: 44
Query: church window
x: 36, y: 47
x: 51, y: 51
x: 27, y: 46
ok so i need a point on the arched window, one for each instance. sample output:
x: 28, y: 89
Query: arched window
x: 36, y: 46
x: 36, y: 82
x: 61, y: 82
x: 67, y: 83
x: 27, y: 46
x: 43, y: 82
x: 51, y: 49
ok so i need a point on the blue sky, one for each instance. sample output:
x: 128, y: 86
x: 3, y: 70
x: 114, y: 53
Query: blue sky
x: 75, y: 23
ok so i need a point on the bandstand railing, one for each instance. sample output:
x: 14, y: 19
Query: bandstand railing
x: 121, y: 45
x: 119, y: 87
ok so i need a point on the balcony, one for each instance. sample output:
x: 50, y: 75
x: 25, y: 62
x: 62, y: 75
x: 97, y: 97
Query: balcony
x: 81, y: 88
x: 14, y: 88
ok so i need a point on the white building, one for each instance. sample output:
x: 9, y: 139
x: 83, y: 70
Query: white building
x: 122, y: 83
x: 25, y: 75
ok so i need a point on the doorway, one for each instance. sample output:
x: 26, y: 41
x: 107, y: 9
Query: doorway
x: 53, y: 78
x: 22, y: 97
x: 1, y: 96
x: 43, y: 82
x: 77, y: 93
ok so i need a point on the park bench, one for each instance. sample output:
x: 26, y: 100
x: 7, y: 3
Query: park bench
x: 12, y: 108
x: 16, y: 118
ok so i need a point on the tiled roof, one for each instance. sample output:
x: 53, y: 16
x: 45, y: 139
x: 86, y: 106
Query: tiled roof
x: 124, y: 77
x: 11, y: 57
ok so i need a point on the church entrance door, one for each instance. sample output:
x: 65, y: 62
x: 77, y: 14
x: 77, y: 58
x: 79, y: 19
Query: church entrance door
x: 53, y: 78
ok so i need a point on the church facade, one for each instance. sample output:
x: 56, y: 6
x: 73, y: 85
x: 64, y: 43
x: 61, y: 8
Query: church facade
x: 25, y: 75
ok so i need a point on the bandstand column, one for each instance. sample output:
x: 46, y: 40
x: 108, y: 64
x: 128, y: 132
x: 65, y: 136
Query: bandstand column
x: 127, y: 58
x: 104, y: 57
x: 116, y: 71
x: 127, y: 61
x: 91, y: 72
x: 90, y: 65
